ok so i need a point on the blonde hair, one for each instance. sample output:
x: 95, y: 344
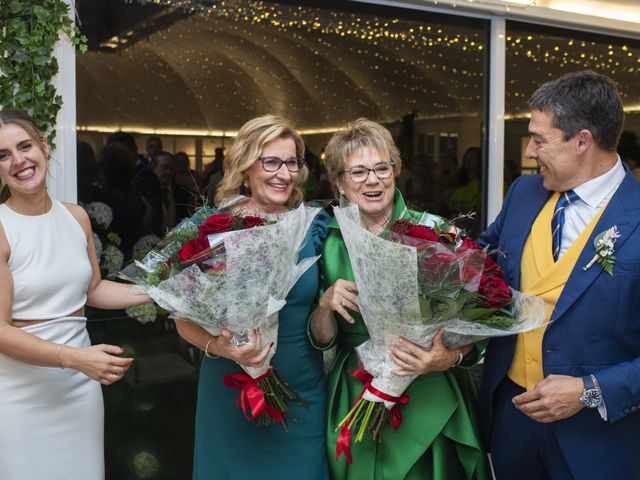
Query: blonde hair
x: 246, y: 149
x: 14, y: 116
x: 362, y: 133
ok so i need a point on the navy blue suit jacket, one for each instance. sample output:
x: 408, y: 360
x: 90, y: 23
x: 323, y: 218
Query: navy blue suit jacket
x: 595, y: 328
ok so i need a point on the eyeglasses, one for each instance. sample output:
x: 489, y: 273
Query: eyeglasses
x: 273, y: 164
x: 360, y: 174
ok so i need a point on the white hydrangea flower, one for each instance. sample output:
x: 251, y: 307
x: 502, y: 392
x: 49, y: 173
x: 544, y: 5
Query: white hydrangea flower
x: 143, y: 313
x: 112, y: 259
x: 98, y: 243
x: 100, y: 213
x: 146, y: 243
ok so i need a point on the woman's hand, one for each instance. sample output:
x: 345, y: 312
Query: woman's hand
x: 413, y: 360
x: 99, y: 362
x: 247, y: 355
x: 341, y: 296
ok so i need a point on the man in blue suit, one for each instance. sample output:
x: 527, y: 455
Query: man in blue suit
x: 562, y: 402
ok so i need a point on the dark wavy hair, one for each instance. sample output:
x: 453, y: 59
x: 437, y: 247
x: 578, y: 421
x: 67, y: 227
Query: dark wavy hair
x: 583, y: 100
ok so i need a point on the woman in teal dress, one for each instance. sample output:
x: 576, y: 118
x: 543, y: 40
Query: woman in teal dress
x: 438, y: 438
x: 266, y: 163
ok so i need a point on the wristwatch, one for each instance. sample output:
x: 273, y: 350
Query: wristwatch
x: 591, y: 395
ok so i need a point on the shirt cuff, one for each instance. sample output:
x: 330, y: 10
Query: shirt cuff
x: 602, y: 410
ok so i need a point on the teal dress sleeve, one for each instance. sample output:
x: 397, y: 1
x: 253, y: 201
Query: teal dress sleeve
x: 438, y: 437
x: 320, y: 230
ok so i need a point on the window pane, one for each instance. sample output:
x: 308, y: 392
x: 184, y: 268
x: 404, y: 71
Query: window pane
x: 538, y: 54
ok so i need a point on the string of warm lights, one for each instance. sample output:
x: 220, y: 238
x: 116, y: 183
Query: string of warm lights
x: 239, y: 58
x: 324, y: 21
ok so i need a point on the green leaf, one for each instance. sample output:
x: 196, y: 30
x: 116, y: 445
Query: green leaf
x: 425, y: 309
x: 17, y: 7
x: 32, y: 29
x: 474, y: 313
x: 41, y: 13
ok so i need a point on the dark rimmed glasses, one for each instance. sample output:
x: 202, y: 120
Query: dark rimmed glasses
x: 360, y: 174
x: 273, y: 164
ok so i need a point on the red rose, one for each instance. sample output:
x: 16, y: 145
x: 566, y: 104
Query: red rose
x: 192, y: 248
x: 448, y: 237
x: 470, y: 244
x: 436, y: 267
x: 250, y: 221
x: 470, y: 271
x: 400, y: 226
x: 422, y: 232
x: 495, y: 291
x: 491, y: 268
x: 217, y: 223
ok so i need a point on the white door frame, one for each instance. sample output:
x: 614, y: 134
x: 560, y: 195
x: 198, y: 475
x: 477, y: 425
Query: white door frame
x: 62, y: 181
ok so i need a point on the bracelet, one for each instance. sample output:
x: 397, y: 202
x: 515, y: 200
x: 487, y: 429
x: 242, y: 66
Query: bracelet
x: 460, y: 357
x: 206, y: 351
x: 58, y: 355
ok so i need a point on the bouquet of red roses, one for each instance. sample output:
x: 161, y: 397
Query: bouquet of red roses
x: 224, y: 271
x: 413, y: 280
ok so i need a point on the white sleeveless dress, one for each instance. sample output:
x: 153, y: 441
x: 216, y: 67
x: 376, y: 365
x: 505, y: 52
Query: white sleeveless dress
x: 51, y: 419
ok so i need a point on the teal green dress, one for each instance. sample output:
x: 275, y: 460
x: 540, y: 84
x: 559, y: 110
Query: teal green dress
x: 227, y: 446
x: 437, y: 439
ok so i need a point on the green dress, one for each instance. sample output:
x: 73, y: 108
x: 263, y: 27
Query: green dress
x: 437, y: 439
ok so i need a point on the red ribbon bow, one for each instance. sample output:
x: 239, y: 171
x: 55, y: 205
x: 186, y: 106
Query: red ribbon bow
x: 344, y: 439
x: 251, y: 399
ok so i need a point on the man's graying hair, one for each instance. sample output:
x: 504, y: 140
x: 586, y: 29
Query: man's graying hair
x: 583, y: 100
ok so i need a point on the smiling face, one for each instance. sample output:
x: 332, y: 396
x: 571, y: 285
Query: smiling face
x: 373, y: 196
x: 270, y: 191
x: 560, y: 166
x: 23, y: 161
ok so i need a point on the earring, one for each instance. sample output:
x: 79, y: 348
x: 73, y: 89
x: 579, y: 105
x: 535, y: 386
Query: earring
x: 342, y: 192
x: 246, y: 187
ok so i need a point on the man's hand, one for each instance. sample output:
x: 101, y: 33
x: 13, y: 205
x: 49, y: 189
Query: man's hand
x: 554, y: 398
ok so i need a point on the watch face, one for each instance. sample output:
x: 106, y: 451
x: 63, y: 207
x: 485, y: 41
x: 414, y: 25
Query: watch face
x: 591, y: 398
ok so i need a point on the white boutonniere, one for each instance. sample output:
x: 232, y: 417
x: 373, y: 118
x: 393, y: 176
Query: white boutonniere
x: 604, y: 244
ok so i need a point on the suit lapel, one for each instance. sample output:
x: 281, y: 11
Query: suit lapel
x: 619, y: 212
x: 520, y: 230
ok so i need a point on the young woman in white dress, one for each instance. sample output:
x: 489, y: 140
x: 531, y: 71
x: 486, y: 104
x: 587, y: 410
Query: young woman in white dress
x: 51, y: 410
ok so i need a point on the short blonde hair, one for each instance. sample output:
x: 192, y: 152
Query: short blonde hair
x: 362, y: 133
x: 246, y: 149
x: 14, y: 116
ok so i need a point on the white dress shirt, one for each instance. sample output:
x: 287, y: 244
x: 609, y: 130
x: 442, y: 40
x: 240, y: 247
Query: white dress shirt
x: 594, y: 195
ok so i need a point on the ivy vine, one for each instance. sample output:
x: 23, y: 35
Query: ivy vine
x: 29, y: 30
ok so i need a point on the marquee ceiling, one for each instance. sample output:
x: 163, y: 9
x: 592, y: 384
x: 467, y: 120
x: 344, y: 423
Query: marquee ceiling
x: 212, y: 67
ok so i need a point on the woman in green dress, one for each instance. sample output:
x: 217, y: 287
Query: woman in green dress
x: 266, y: 163
x: 438, y: 438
